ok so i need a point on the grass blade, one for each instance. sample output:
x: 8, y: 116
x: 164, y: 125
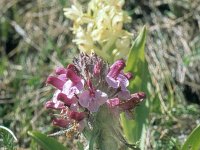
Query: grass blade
x: 192, y: 142
x: 7, y: 138
x: 47, y: 143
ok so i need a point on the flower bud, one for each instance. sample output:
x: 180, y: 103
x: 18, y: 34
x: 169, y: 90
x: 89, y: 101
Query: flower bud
x: 61, y: 122
x: 128, y: 75
x: 62, y: 97
x: 97, y: 69
x: 134, y: 101
x: 78, y: 116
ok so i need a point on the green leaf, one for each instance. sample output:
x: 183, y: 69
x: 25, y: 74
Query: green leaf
x: 136, y: 53
x: 192, y: 142
x: 80, y: 145
x: 95, y: 134
x: 135, y: 129
x: 47, y: 143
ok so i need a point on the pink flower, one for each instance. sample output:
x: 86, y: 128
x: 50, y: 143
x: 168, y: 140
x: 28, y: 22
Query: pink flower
x: 135, y: 99
x: 54, y: 103
x: 92, y: 100
x: 74, y: 85
x: 114, y: 78
x: 117, y: 79
x: 125, y: 106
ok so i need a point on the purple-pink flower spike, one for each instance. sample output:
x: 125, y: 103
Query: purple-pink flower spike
x: 87, y: 85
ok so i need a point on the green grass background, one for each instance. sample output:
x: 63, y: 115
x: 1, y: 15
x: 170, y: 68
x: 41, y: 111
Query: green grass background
x: 35, y: 37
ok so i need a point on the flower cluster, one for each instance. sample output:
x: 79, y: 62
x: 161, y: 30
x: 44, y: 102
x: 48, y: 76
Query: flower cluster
x: 85, y: 86
x: 99, y: 29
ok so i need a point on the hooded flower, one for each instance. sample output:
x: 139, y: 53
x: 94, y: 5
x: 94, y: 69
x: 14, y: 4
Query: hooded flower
x: 55, y: 103
x: 118, y: 80
x: 118, y: 106
x: 92, y: 99
x: 74, y: 85
x: 135, y: 99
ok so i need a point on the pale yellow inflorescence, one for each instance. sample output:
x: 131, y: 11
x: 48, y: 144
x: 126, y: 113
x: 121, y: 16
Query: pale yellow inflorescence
x: 99, y: 29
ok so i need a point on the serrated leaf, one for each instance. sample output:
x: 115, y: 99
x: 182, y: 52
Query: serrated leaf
x: 47, y: 143
x: 193, y: 140
x: 135, y: 129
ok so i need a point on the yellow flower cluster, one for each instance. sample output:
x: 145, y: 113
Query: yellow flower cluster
x: 99, y: 29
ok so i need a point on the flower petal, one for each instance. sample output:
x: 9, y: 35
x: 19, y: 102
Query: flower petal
x: 74, y: 107
x: 112, y: 82
x: 84, y: 99
x: 113, y: 102
x: 52, y: 105
x: 129, y: 75
x: 70, y: 88
x: 81, y: 125
x: 123, y: 82
x: 93, y: 106
x: 56, y: 82
x: 101, y: 97
x: 72, y: 76
x: 62, y: 97
x: 54, y: 99
x: 124, y: 95
x: 60, y: 70
x: 78, y: 116
x: 62, y: 77
x: 80, y: 85
x: 116, y: 68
